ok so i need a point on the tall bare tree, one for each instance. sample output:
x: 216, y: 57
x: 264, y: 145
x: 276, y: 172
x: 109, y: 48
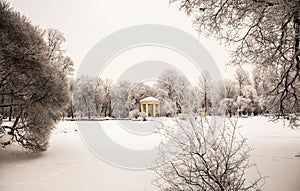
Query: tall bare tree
x: 103, y: 97
x: 205, y: 85
x: 265, y: 33
x: 120, y: 98
x: 177, y: 91
x: 230, y: 89
x: 56, y: 53
x: 242, y: 78
x: 84, y: 97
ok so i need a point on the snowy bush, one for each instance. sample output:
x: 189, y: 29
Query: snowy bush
x: 228, y: 107
x: 143, y: 116
x: 134, y: 114
x: 244, y: 105
x: 169, y: 107
x: 182, y: 116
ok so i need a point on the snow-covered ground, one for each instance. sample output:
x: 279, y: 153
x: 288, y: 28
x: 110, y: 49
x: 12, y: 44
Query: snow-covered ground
x: 276, y: 152
x: 70, y: 165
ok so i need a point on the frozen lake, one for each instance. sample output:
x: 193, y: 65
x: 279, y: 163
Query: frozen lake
x: 70, y: 164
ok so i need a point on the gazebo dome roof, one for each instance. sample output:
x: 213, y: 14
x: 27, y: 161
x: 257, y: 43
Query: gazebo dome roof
x: 152, y: 99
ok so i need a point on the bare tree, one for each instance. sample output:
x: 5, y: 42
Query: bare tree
x: 242, y: 78
x: 230, y: 89
x: 56, y: 54
x: 103, y: 97
x: 228, y: 107
x: 225, y: 96
x: 138, y: 92
x: 167, y: 82
x: 201, y: 156
x: 84, y: 97
x: 265, y: 33
x: 205, y: 85
x: 120, y: 98
x: 175, y: 91
x: 261, y: 82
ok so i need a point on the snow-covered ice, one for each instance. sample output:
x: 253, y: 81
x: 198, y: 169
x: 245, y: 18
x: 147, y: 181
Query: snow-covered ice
x: 276, y: 151
x: 69, y: 164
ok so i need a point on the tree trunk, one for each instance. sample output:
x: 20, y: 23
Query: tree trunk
x: 10, y: 113
x: 11, y: 108
x: 109, y: 109
x: 297, y: 40
x: 205, y: 102
x: 72, y: 111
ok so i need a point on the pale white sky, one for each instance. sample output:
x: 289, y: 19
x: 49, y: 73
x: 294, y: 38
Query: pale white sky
x: 85, y: 22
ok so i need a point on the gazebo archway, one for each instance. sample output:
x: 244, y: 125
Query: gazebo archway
x: 151, y: 106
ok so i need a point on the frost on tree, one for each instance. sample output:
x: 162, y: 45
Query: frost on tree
x: 266, y: 34
x: 120, y: 99
x: 33, y: 90
x: 138, y: 92
x: 84, y: 97
x: 103, y: 97
x: 205, y: 84
x: 200, y: 155
x: 175, y: 92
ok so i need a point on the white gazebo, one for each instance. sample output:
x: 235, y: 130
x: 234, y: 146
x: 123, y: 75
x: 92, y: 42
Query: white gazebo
x: 151, y: 106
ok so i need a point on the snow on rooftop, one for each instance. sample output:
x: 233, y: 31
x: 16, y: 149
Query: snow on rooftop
x: 149, y: 99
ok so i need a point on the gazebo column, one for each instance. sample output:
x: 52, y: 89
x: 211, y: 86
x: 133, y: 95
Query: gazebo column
x: 153, y: 110
x: 142, y: 107
x: 147, y: 109
x: 158, y: 109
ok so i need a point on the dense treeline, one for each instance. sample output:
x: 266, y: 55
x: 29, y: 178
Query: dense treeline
x: 247, y: 94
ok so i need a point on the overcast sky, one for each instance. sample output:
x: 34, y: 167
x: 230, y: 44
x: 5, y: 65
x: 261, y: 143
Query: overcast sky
x: 85, y: 22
